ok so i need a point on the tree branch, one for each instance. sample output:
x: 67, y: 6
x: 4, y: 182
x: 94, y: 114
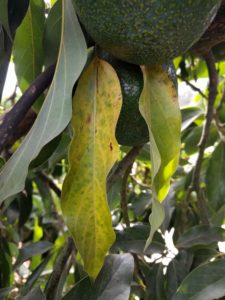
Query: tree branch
x: 50, y: 183
x: 123, y: 194
x: 13, y: 118
x: 196, y: 184
x: 123, y: 165
x: 193, y: 87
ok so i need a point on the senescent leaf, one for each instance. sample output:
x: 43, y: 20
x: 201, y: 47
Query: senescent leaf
x: 56, y: 111
x: 160, y: 109
x: 93, y: 151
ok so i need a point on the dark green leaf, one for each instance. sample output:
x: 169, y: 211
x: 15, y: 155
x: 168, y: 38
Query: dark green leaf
x: 215, y: 177
x: 133, y: 240
x: 5, y: 263
x: 113, y: 281
x: 4, y: 292
x: 4, y: 20
x: 200, y: 235
x: 205, y: 282
x: 31, y: 250
x: 36, y: 294
x: 177, y: 270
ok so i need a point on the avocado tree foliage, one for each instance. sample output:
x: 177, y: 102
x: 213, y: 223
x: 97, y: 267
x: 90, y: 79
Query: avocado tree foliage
x: 112, y: 181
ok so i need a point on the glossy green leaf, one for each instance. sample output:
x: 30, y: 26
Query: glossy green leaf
x: 31, y: 250
x: 93, y: 151
x: 160, y: 109
x: 201, y: 235
x: 113, y: 281
x: 56, y: 110
x: 215, y: 177
x: 28, y: 45
x: 205, y: 282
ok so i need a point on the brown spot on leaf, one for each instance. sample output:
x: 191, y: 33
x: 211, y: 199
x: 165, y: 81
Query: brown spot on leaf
x: 111, y: 147
x: 88, y: 121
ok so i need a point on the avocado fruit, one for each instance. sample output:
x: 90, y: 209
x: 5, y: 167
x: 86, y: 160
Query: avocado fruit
x: 131, y: 129
x: 146, y: 31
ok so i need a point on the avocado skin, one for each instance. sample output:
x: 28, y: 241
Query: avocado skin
x: 146, y: 31
x: 131, y: 129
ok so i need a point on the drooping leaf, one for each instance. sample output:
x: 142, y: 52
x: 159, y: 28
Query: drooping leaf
x: 189, y: 114
x: 28, y: 45
x: 113, y: 281
x: 56, y: 110
x: 93, y: 151
x: 205, y: 282
x: 215, y: 177
x: 201, y: 235
x: 160, y: 109
x: 31, y: 250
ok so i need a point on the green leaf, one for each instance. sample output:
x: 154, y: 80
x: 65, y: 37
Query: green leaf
x: 189, y: 114
x: 31, y: 250
x: 201, y: 235
x: 93, y: 151
x: 205, y: 282
x: 133, y: 240
x: 52, y: 33
x: 113, y: 281
x: 56, y: 110
x: 215, y: 177
x: 35, y: 293
x: 28, y: 45
x: 4, y: 18
x: 160, y: 109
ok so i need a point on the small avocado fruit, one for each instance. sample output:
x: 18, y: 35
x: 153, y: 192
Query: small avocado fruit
x: 131, y: 129
x: 146, y: 31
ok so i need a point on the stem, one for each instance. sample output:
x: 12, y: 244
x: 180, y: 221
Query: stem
x: 196, y: 184
x: 123, y: 193
x: 13, y: 118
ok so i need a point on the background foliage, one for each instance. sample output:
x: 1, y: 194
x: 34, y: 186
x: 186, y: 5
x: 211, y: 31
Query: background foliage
x: 38, y: 258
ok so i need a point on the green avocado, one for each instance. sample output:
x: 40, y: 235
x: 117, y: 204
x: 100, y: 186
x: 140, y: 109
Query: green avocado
x: 131, y: 128
x: 146, y: 31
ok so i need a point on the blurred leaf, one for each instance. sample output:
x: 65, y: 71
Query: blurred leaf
x: 4, y: 20
x: 34, y: 276
x: 203, y: 255
x: 215, y: 177
x: 97, y: 104
x: 200, y: 235
x: 192, y: 139
x: 189, y: 114
x: 52, y: 33
x: 163, y: 124
x: 25, y: 203
x: 4, y: 292
x: 219, y: 217
x: 169, y: 208
x: 140, y: 203
x: 133, y: 240
x: 31, y: 250
x: 205, y: 282
x: 113, y: 281
x: 177, y: 270
x: 5, y: 263
x: 36, y: 294
x: 56, y: 110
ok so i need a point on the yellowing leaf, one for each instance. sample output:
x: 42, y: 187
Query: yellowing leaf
x: 160, y: 109
x: 93, y: 151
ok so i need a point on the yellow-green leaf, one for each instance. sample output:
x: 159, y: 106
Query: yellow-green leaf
x: 93, y: 151
x: 160, y: 109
